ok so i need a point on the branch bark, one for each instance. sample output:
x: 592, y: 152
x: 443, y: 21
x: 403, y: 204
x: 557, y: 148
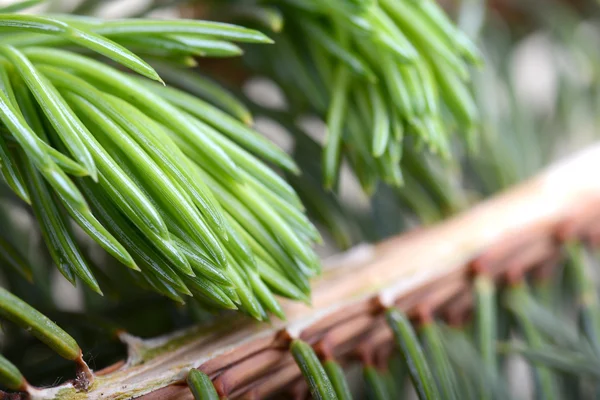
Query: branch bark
x: 424, y: 270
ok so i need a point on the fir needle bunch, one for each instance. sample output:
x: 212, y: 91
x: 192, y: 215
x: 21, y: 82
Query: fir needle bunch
x: 375, y: 72
x: 170, y: 185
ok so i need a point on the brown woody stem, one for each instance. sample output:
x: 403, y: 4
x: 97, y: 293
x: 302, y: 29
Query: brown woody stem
x: 420, y: 272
